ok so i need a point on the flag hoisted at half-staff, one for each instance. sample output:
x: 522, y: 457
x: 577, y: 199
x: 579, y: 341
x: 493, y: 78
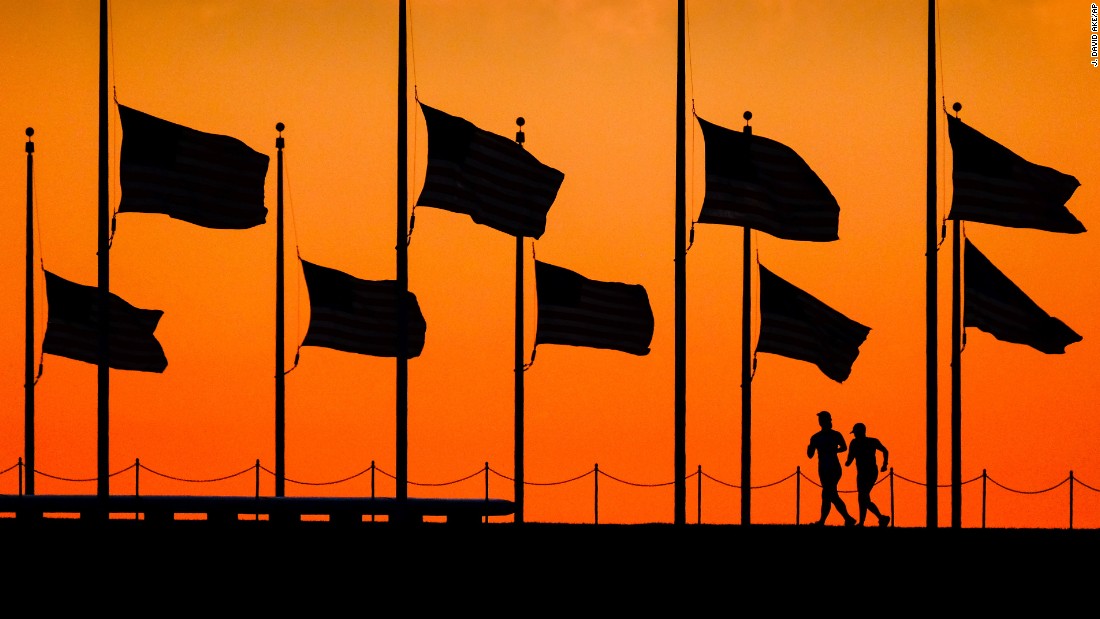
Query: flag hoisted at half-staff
x: 489, y: 177
x: 762, y: 184
x: 357, y: 315
x: 210, y: 180
x: 794, y: 324
x: 994, y: 185
x: 996, y: 305
x: 577, y: 311
x: 73, y: 328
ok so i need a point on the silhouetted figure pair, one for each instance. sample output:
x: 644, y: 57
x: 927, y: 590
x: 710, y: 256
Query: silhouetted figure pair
x: 828, y: 444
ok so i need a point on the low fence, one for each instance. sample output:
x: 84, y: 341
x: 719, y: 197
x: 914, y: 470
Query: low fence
x: 1071, y: 482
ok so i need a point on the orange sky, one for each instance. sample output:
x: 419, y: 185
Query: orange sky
x: 842, y: 83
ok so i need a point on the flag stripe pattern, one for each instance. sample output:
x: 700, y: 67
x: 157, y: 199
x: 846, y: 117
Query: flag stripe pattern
x: 996, y: 305
x: 213, y: 181
x: 762, y: 184
x: 486, y: 176
x: 994, y: 185
x: 796, y: 325
x: 357, y: 315
x: 73, y: 328
x: 576, y: 311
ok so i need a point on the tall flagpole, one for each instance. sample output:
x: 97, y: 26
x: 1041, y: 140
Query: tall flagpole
x: 402, y: 400
x: 104, y: 234
x: 746, y: 368
x: 931, y: 247
x: 680, y: 397
x: 280, y: 360
x: 28, y: 369
x: 519, y: 362
x: 956, y: 367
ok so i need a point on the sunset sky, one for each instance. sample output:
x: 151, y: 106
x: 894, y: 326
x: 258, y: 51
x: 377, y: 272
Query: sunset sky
x: 843, y: 83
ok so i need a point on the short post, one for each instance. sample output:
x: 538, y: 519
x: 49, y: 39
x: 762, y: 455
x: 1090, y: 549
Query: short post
x: 596, y: 487
x: 372, y: 489
x: 893, y: 518
x: 137, y: 482
x: 257, y: 478
x: 1071, y: 499
x: 20, y: 465
x: 486, y: 517
x: 699, y: 495
x: 984, y: 478
x: 798, y: 495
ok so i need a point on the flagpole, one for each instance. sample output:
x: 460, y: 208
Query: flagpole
x: 746, y: 367
x: 104, y: 246
x: 402, y: 399
x: 280, y: 373
x: 28, y: 369
x: 680, y: 397
x: 931, y: 277
x: 956, y: 367
x: 519, y: 362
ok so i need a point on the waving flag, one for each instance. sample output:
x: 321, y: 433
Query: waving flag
x: 994, y: 304
x: 762, y: 184
x: 577, y: 311
x: 73, y: 328
x: 357, y: 315
x: 796, y: 325
x: 996, y: 186
x: 213, y: 181
x: 486, y: 176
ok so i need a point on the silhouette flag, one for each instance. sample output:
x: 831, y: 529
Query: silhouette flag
x: 486, y: 176
x: 996, y: 186
x: 764, y: 185
x: 213, y: 181
x: 577, y: 311
x: 73, y: 328
x: 796, y: 325
x: 994, y: 304
x: 357, y: 315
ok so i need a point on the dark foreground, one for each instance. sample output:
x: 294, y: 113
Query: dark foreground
x: 535, y: 568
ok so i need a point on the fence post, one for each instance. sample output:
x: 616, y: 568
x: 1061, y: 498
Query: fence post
x: 137, y: 477
x: 257, y: 480
x: 1071, y: 499
x: 798, y: 495
x: 893, y: 516
x: 372, y: 488
x: 596, y: 488
x: 699, y: 496
x: 985, y: 476
x: 20, y: 464
x: 485, y: 518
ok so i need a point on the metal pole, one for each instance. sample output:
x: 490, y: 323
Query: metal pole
x: 596, y: 490
x: 699, y: 495
x: 931, y: 276
x: 893, y: 519
x: 28, y: 360
x: 985, y: 478
x: 486, y: 518
x: 280, y: 334
x: 402, y: 263
x: 956, y: 375
x: 680, y: 328
x: 103, y: 425
x: 798, y: 495
x: 1071, y: 499
x: 746, y: 367
x: 519, y: 386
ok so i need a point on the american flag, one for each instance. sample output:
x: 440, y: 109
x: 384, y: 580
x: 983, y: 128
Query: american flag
x: 577, y: 311
x: 996, y: 305
x: 73, y: 328
x: 486, y: 176
x: 213, y: 181
x: 762, y: 184
x: 358, y: 315
x: 994, y: 185
x: 796, y: 325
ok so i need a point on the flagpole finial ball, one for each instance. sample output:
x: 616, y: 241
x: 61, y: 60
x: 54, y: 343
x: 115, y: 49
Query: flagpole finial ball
x: 279, y: 127
x: 747, y: 115
x: 957, y: 106
x: 520, y: 121
x: 30, y: 131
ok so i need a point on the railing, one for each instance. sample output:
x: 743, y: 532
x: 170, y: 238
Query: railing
x: 486, y: 471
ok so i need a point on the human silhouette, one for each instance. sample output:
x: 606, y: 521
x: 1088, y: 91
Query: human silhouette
x: 863, y: 451
x: 827, y: 443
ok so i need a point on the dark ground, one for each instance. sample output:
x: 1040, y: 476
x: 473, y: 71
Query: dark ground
x: 535, y: 569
